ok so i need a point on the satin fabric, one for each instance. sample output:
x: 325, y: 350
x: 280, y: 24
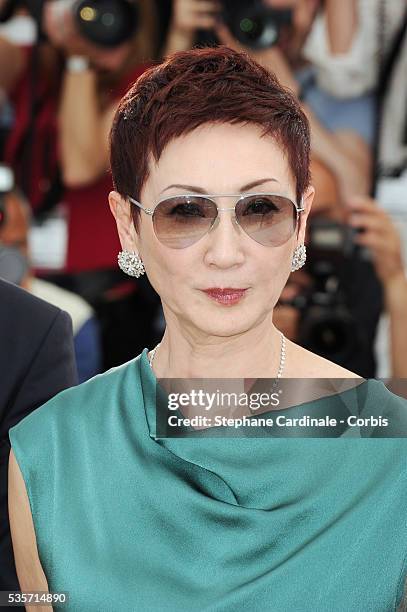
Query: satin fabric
x: 128, y: 522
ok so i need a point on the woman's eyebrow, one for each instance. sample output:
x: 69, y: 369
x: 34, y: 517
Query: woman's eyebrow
x: 201, y: 190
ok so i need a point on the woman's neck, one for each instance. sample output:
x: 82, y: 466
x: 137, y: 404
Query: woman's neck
x: 254, y: 354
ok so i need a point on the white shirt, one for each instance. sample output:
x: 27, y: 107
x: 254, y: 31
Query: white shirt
x: 355, y: 72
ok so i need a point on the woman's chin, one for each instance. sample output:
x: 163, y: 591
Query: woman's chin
x: 224, y: 325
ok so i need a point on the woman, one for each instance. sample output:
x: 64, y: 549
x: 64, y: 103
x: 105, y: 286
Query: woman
x: 340, y: 156
x: 124, y: 519
x: 340, y: 160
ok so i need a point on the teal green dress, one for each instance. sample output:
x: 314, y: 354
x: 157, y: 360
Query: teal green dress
x: 127, y: 522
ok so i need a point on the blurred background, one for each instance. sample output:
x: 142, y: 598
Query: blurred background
x: 65, y: 64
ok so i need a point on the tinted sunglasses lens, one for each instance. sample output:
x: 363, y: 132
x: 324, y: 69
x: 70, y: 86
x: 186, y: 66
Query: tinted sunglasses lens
x: 181, y: 221
x: 268, y: 219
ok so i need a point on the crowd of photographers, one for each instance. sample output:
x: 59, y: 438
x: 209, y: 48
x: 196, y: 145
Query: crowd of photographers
x: 65, y: 64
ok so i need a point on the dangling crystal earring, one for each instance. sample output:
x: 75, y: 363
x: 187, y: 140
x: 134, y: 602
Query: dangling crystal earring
x: 130, y: 263
x: 299, y: 257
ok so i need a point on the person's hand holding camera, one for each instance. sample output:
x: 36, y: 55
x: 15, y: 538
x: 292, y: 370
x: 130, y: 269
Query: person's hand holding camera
x: 188, y: 16
x: 380, y: 235
x: 84, y: 119
x: 59, y: 25
x: 191, y: 15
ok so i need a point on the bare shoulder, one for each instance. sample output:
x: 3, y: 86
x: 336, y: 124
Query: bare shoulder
x: 302, y: 363
x: 29, y: 570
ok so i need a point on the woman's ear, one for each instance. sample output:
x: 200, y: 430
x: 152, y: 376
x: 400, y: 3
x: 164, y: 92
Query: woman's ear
x: 121, y: 210
x: 307, y: 200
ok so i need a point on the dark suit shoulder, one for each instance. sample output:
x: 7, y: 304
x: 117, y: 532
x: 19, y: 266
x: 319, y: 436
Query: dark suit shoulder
x: 36, y: 353
x: 16, y: 303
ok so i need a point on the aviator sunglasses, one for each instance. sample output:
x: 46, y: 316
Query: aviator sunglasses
x: 179, y: 221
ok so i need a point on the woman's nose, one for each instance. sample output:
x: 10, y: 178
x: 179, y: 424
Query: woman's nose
x: 225, y: 247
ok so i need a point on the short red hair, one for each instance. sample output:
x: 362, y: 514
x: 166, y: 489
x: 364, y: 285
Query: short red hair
x: 192, y: 88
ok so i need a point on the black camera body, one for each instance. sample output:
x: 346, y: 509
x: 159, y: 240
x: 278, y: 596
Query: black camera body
x: 327, y: 324
x: 106, y: 23
x: 254, y: 24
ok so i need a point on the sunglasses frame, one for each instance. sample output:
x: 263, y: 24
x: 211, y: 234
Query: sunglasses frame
x: 210, y: 196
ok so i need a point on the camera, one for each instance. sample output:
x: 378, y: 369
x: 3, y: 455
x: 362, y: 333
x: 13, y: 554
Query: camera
x: 254, y: 24
x: 106, y: 23
x: 327, y: 323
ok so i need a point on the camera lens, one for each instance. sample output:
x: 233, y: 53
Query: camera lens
x: 253, y: 24
x: 259, y: 32
x: 107, y: 23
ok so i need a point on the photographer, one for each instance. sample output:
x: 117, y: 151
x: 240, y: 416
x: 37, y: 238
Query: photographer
x: 378, y: 233
x: 58, y: 148
x: 189, y: 16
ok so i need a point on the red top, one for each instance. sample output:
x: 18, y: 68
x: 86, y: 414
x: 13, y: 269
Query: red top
x: 93, y: 242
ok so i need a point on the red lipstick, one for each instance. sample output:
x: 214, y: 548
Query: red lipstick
x: 227, y: 296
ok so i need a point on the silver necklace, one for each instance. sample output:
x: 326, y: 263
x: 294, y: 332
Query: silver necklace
x: 280, y: 369
x: 279, y: 373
